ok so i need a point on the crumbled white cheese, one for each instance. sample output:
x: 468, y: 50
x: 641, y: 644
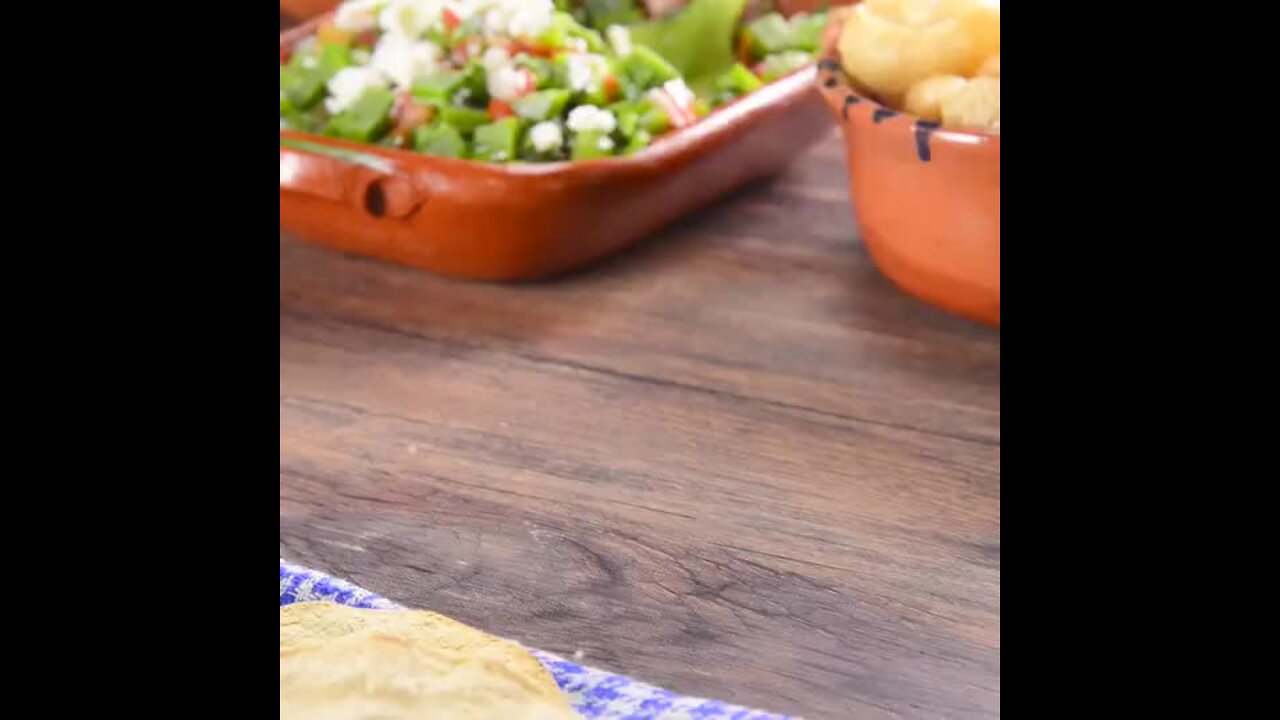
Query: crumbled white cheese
x: 357, y: 15
x: 579, y: 73
x: 515, y: 18
x: 404, y: 60
x: 464, y: 10
x: 348, y: 84
x: 546, y: 137
x: 585, y: 70
x: 506, y: 83
x: 605, y: 144
x: 494, y: 58
x: 410, y: 19
x: 495, y: 21
x: 309, y: 61
x: 589, y: 117
x: 530, y: 18
x: 620, y: 39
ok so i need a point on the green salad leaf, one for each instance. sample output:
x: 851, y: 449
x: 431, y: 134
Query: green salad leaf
x: 698, y: 41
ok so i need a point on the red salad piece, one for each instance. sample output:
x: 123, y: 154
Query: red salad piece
x: 499, y: 109
x: 451, y: 20
x: 464, y: 50
x: 408, y: 115
x: 676, y: 100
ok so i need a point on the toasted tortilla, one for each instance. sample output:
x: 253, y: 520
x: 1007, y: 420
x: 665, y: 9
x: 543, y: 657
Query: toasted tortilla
x: 341, y: 663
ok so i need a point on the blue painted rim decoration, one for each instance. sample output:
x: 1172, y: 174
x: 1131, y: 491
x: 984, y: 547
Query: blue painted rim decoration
x: 831, y: 76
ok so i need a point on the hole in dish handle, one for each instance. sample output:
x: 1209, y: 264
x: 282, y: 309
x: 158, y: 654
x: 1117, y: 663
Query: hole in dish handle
x: 375, y: 199
x: 389, y: 196
x: 329, y: 175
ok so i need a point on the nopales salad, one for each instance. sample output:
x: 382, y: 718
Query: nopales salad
x: 531, y: 80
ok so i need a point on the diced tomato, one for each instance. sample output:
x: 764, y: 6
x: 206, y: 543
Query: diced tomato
x: 612, y: 88
x: 328, y: 34
x: 451, y: 20
x: 499, y: 109
x: 408, y: 115
x: 367, y: 38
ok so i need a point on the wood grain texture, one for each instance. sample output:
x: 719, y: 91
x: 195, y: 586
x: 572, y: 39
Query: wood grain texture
x: 735, y: 461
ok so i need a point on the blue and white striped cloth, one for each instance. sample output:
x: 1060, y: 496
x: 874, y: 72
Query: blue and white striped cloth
x: 593, y: 693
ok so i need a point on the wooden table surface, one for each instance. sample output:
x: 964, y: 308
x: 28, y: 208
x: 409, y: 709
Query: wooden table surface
x: 735, y: 462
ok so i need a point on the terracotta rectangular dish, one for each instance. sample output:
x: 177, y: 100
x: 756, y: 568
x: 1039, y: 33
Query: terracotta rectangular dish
x: 522, y: 222
x: 303, y: 9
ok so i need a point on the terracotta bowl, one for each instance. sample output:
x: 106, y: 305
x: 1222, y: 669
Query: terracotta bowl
x: 927, y: 200
x: 304, y: 9
x: 527, y: 221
